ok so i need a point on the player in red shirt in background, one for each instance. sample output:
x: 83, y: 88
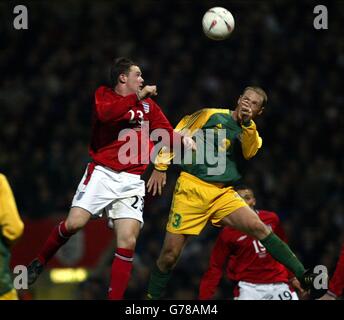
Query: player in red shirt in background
x: 336, y: 284
x: 258, y: 275
x: 112, y: 182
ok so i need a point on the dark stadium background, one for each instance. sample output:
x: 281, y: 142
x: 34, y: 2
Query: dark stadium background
x: 50, y: 72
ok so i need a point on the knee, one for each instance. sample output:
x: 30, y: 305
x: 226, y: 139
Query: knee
x: 74, y: 225
x: 76, y: 220
x: 127, y: 242
x: 168, y: 259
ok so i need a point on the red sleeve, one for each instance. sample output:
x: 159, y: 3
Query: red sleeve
x: 212, y: 276
x: 110, y: 107
x: 337, y: 281
x: 157, y: 118
x: 159, y: 121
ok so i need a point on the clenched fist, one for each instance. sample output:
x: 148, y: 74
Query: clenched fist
x: 147, y: 91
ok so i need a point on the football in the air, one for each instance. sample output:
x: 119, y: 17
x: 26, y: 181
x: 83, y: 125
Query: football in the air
x: 218, y: 23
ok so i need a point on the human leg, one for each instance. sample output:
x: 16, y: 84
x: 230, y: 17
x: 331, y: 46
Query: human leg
x: 126, y: 232
x: 169, y: 254
x: 76, y: 220
x: 189, y: 214
x: 247, y: 221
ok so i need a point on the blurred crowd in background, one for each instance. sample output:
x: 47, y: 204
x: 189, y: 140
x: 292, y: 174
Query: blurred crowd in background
x: 50, y: 72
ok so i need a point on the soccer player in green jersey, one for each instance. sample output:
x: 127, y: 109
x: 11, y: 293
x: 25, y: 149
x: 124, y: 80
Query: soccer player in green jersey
x: 204, y: 193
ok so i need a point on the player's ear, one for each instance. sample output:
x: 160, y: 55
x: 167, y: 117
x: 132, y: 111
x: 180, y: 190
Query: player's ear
x: 122, y: 78
x: 260, y: 111
x: 239, y: 99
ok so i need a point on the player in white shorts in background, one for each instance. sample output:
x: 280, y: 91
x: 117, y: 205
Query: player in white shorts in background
x: 257, y: 274
x: 112, y: 183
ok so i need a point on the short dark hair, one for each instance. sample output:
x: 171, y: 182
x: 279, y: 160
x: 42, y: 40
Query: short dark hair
x: 119, y: 66
x: 261, y: 92
x: 242, y: 186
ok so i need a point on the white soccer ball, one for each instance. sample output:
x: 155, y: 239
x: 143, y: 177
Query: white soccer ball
x: 218, y: 23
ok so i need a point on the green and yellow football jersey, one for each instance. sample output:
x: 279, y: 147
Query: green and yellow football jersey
x: 222, y: 145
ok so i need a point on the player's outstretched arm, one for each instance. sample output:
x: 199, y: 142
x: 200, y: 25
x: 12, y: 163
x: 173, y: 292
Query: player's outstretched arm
x: 156, y: 182
x: 109, y: 109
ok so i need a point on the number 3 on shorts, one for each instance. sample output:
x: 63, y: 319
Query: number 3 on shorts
x: 176, y: 220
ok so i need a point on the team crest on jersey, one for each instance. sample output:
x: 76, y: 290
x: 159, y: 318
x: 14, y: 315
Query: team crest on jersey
x: 145, y: 107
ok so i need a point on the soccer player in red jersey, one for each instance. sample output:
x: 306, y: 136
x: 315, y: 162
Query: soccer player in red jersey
x: 336, y: 284
x: 258, y: 275
x: 112, y: 182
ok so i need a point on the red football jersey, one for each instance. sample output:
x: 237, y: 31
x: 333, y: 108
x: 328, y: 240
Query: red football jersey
x: 245, y: 258
x: 337, y: 281
x: 114, y: 113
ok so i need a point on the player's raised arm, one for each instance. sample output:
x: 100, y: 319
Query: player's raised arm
x: 127, y: 90
x: 147, y: 91
x: 108, y: 109
x: 251, y: 142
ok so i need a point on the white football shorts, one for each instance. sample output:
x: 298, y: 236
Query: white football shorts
x: 271, y: 291
x: 117, y: 194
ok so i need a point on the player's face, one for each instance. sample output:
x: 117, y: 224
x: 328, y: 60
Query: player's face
x: 254, y: 100
x: 248, y: 196
x: 134, y: 80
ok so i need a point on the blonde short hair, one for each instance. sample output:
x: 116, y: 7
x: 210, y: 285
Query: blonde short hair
x: 261, y: 92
